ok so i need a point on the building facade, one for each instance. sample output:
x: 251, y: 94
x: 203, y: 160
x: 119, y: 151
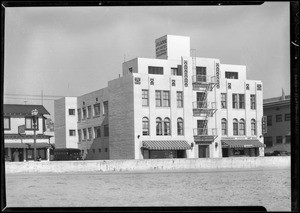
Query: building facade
x: 278, y: 113
x: 176, y: 105
x: 19, y: 133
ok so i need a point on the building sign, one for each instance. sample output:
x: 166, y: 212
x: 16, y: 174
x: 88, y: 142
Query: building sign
x: 264, y: 124
x: 185, y: 72
x: 218, y: 75
x: 161, y: 47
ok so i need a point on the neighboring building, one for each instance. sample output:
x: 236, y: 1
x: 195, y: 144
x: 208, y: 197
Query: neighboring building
x: 278, y: 113
x: 176, y: 105
x: 17, y: 119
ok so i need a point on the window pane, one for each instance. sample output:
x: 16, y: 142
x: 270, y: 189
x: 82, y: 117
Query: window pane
x: 223, y: 101
x: 6, y: 123
x: 253, y: 102
x: 158, y: 98
x: 179, y: 99
x: 166, y: 98
x: 145, y: 98
x: 97, y: 109
x: 241, y: 101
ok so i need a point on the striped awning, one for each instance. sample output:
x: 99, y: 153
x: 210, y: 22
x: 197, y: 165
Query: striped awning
x: 26, y: 145
x: 239, y: 143
x: 166, y: 145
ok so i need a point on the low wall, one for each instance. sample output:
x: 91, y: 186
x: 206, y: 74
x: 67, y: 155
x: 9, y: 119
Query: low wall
x: 147, y: 164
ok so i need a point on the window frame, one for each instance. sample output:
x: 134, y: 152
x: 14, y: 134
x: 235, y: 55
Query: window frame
x: 166, y: 98
x: 155, y: 70
x: 235, y: 127
x: 159, y: 126
x: 253, y: 127
x: 106, y: 130
x: 158, y: 98
x: 224, y: 100
x: 145, y: 126
x: 72, y: 130
x: 145, y: 97
x: 96, y: 106
x: 224, y: 126
x: 252, y: 101
x: 9, y: 122
x: 242, y: 127
x: 31, y: 121
x: 96, y: 135
x: 167, y: 126
x: 180, y: 126
x: 71, y: 110
x: 179, y: 96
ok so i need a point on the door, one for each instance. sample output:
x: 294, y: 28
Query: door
x: 203, y: 151
x: 201, y: 100
x: 202, y: 127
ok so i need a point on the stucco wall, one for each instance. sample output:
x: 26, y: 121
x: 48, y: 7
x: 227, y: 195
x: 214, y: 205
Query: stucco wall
x: 147, y: 165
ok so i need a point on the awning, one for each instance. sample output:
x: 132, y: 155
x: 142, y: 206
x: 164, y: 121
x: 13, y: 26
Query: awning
x: 15, y: 145
x: 166, y: 145
x: 238, y: 143
x: 26, y: 145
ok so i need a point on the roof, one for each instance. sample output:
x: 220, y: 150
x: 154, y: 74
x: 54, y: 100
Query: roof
x: 242, y: 143
x: 166, y: 145
x: 21, y: 109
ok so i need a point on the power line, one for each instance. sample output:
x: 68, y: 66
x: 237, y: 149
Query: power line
x: 59, y: 96
x: 51, y: 99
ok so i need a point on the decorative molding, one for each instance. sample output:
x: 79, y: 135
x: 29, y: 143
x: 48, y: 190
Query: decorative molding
x: 137, y: 80
x: 173, y: 83
x: 151, y: 81
x: 229, y: 85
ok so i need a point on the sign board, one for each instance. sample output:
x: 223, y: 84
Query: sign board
x: 264, y: 124
x: 21, y: 129
x: 185, y: 73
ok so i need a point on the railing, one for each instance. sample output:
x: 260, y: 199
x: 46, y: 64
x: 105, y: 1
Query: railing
x: 205, y: 132
x: 204, y: 105
x: 204, y: 79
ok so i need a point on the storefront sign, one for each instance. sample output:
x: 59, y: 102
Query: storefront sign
x: 185, y: 71
x: 161, y: 47
x: 264, y: 124
x: 218, y: 75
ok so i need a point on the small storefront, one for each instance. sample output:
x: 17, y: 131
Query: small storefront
x: 241, y: 148
x: 165, y: 149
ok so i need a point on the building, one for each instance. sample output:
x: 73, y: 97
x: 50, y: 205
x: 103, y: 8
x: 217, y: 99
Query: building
x: 278, y: 113
x: 19, y: 133
x: 175, y: 105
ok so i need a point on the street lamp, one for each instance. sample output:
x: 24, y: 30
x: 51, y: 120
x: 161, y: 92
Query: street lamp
x: 34, y: 114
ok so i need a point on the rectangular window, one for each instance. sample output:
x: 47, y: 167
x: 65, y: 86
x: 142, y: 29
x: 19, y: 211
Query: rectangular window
x: 79, y: 114
x: 176, y: 71
x: 71, y: 111
x: 145, y: 97
x: 234, y: 101
x: 7, y: 123
x: 268, y: 141
x: 179, y: 99
x: 235, y: 129
x: 223, y: 100
x: 269, y: 120
x: 79, y: 135
x: 72, y: 132
x: 278, y: 139
x: 158, y: 98
x: 106, y: 130
x: 166, y: 98
x: 29, y: 123
x: 287, y: 117
x: 89, y: 112
x: 201, y: 74
x: 145, y: 127
x: 97, y: 109
x: 155, y: 70
x: 279, y: 118
x: 253, y: 101
x: 84, y: 134
x: 231, y: 75
x: 83, y: 113
x: 90, y: 133
x: 241, y: 101
x: 105, y: 108
x: 97, y: 130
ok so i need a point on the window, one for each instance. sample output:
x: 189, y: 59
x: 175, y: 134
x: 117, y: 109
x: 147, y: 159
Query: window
x: 287, y: 139
x: 145, y: 126
x: 269, y: 120
x: 71, y: 111
x: 89, y: 114
x: 253, y: 101
x: 231, y: 75
x: 158, y: 126
x: 97, y: 109
x: 179, y: 126
x: 79, y: 114
x: 29, y: 123
x: 278, y: 118
x: 242, y: 127
x: 253, y: 127
x: 278, y: 139
x: 235, y: 127
x: 83, y: 113
x: 234, y: 101
x: 223, y: 100
x: 201, y: 74
x: 166, y: 98
x: 176, y: 71
x: 287, y: 117
x: 79, y: 135
x: 7, y: 123
x: 106, y: 130
x: 84, y: 134
x: 90, y: 133
x: 97, y: 130
x: 145, y: 97
x: 167, y: 129
x: 179, y: 99
x: 224, y: 126
x: 105, y: 107
x: 268, y: 141
x: 158, y: 98
x: 156, y: 70
x: 72, y: 132
x: 241, y: 101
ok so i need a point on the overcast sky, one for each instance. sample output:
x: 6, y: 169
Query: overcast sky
x: 70, y: 51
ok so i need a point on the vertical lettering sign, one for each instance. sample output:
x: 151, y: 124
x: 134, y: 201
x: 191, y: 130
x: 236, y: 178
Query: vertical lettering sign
x: 161, y: 47
x: 218, y: 75
x: 264, y: 124
x: 185, y: 71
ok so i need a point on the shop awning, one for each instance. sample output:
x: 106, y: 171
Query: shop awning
x: 166, y: 145
x: 38, y: 145
x: 26, y: 145
x: 239, y: 143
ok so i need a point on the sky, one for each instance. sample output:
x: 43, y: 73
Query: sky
x: 71, y: 51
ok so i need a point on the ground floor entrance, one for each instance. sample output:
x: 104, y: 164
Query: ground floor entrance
x: 203, y: 151
x: 25, y: 154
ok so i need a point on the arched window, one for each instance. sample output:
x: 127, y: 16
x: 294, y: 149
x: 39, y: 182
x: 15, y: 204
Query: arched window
x: 145, y: 126
x: 242, y: 127
x: 167, y: 130
x: 224, y: 126
x: 179, y: 126
x: 158, y: 126
x: 253, y: 127
x: 235, y: 127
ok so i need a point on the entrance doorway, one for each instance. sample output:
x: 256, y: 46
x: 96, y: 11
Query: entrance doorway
x: 203, y: 151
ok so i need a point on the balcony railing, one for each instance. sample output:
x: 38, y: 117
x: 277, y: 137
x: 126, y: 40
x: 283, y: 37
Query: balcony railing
x: 207, y: 135
x: 204, y: 105
x: 204, y: 79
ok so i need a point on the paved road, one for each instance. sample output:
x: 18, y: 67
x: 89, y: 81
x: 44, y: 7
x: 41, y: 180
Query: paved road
x: 268, y: 187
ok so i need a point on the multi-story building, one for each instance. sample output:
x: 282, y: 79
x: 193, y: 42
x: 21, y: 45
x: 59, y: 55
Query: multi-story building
x: 19, y: 132
x: 278, y: 113
x: 175, y: 105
